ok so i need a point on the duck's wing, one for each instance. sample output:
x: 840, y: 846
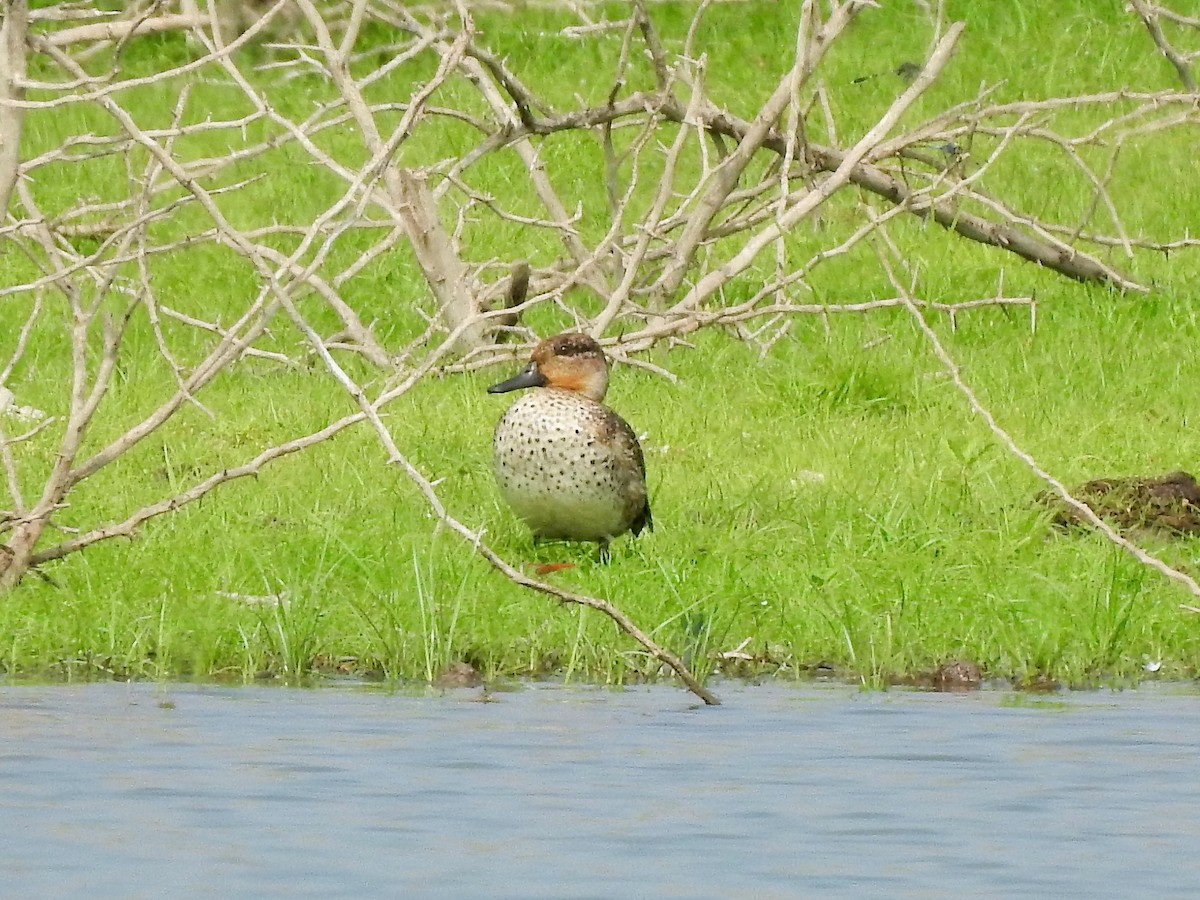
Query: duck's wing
x: 617, y: 434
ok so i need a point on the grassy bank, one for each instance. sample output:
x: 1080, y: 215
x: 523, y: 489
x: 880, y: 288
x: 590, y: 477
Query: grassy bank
x: 832, y: 504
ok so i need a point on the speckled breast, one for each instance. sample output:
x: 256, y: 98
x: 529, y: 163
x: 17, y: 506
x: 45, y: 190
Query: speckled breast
x: 569, y: 466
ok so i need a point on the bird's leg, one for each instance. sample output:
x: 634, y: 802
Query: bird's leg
x: 602, y: 554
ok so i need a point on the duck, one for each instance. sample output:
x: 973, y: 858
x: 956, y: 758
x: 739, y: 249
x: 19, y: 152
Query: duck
x: 571, y: 468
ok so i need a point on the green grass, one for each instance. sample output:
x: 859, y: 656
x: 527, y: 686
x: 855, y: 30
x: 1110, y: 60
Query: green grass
x: 834, y: 503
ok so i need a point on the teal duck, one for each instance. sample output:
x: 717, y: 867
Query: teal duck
x: 569, y: 466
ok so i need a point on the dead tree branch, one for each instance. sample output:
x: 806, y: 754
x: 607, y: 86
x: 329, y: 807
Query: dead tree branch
x: 1149, y: 13
x: 1076, y: 506
x: 12, y: 76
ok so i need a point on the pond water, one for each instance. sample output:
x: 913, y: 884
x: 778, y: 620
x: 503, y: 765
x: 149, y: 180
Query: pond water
x: 137, y: 790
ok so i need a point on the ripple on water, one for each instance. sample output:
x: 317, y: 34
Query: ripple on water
x: 134, y: 789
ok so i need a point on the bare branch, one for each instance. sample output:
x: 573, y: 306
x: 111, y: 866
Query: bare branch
x: 1078, y: 507
x: 12, y: 76
x: 123, y: 30
x: 1149, y: 16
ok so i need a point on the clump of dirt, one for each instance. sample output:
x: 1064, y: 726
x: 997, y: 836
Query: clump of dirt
x: 1167, y: 504
x: 458, y: 675
x: 954, y: 675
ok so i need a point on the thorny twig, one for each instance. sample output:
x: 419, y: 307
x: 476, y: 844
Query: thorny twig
x: 955, y: 373
x: 1150, y: 13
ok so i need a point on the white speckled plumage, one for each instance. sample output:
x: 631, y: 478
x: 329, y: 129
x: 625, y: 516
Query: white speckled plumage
x: 569, y: 466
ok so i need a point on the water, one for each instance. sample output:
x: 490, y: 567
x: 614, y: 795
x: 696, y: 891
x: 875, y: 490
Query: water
x: 126, y: 790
